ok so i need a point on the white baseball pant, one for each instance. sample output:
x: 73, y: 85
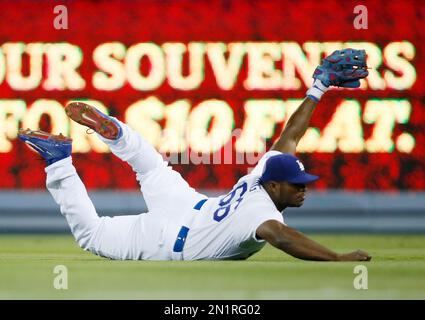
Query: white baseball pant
x: 149, y: 236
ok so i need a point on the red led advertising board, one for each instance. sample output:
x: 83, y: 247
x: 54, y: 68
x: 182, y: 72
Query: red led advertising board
x: 211, y: 85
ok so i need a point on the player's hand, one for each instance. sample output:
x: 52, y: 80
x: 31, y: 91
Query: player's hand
x: 358, y: 255
x: 343, y: 68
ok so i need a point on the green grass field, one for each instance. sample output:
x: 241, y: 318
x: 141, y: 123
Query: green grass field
x: 397, y: 271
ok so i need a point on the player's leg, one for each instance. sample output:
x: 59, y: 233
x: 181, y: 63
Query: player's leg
x: 64, y: 184
x: 70, y: 194
x: 122, y: 237
x: 118, y: 237
x: 162, y: 187
x: 123, y: 141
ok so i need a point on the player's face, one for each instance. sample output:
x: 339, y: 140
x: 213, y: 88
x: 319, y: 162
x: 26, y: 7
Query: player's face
x: 292, y: 194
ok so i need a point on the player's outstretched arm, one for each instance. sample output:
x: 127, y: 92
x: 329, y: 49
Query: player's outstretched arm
x: 343, y: 68
x: 300, y: 246
x: 295, y: 127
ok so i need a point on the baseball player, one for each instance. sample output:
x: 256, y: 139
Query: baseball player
x: 183, y: 224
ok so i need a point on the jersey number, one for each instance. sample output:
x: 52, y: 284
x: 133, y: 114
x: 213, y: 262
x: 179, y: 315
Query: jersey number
x: 228, y: 200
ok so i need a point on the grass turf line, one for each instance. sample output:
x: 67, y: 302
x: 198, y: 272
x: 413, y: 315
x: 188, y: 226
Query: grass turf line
x: 397, y: 271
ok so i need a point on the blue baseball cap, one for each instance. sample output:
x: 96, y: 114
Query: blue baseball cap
x: 286, y: 167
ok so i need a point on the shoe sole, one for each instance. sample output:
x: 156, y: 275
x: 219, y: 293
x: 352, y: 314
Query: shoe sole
x: 43, y: 135
x: 88, y: 116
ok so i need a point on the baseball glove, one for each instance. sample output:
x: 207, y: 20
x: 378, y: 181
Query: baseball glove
x: 343, y: 68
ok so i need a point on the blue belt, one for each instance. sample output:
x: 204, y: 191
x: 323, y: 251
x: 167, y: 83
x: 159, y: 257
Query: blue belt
x: 181, y: 237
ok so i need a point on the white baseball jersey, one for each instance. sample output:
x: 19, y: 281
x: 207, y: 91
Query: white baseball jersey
x: 225, y: 227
